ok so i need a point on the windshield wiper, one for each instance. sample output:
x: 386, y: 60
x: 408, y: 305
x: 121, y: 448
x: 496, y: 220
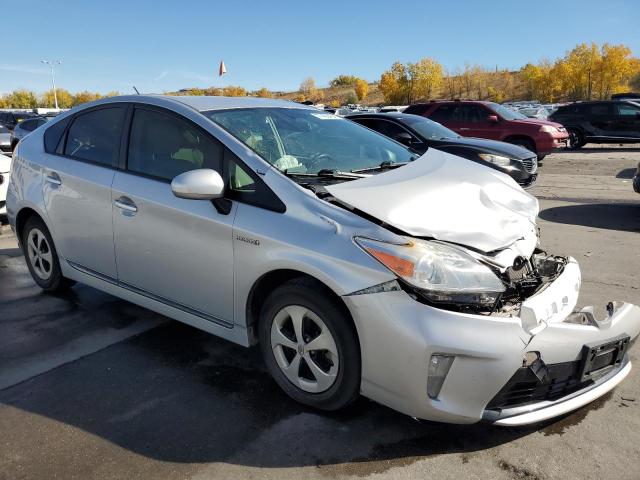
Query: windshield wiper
x: 325, y: 172
x: 383, y: 166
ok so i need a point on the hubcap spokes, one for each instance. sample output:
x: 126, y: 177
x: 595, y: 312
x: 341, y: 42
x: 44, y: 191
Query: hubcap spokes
x: 39, y: 254
x: 304, y: 349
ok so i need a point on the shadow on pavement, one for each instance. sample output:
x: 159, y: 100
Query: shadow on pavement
x: 177, y: 394
x: 626, y: 173
x: 611, y: 216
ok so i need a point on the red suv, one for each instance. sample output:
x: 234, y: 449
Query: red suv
x: 493, y: 121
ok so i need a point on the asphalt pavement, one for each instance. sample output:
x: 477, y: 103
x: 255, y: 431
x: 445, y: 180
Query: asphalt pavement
x: 93, y: 387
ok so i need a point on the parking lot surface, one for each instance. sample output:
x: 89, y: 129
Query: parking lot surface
x: 92, y: 387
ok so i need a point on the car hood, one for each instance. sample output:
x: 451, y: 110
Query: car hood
x: 537, y: 121
x: 483, y: 145
x: 448, y: 198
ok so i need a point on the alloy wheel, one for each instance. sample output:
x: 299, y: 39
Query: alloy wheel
x: 39, y: 253
x: 304, y: 349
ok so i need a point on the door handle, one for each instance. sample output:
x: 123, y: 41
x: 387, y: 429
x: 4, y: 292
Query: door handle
x: 53, y: 178
x: 463, y: 128
x: 125, y: 204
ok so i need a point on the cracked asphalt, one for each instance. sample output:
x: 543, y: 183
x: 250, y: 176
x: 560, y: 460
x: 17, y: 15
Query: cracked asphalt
x: 92, y: 387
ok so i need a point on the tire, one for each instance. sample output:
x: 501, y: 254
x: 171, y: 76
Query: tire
x: 320, y: 317
x: 576, y: 139
x: 44, y: 265
x: 524, y: 143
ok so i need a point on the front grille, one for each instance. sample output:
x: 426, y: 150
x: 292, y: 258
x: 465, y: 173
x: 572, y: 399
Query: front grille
x: 530, y: 164
x: 524, y: 387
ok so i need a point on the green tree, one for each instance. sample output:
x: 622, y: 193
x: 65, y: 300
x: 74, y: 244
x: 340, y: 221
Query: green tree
x: 344, y: 81
x: 22, y: 99
x: 263, y: 93
x: 65, y: 99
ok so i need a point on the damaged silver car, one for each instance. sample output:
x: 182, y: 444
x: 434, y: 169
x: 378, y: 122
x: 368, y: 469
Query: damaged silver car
x: 357, y: 266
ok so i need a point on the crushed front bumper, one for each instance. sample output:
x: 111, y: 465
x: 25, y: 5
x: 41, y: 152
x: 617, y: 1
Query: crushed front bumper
x: 398, y: 336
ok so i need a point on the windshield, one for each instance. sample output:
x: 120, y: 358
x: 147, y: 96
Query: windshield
x: 296, y: 140
x: 506, y: 113
x: 428, y: 129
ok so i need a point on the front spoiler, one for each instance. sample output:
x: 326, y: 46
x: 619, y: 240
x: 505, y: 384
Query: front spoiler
x: 545, y: 410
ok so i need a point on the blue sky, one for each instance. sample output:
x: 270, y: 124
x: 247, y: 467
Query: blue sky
x: 159, y: 46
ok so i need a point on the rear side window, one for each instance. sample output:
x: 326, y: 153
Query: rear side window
x: 54, y: 133
x: 29, y: 125
x: 626, y: 110
x: 444, y: 113
x: 164, y: 146
x: 95, y: 136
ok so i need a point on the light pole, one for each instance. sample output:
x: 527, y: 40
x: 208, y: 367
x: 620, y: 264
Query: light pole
x: 53, y: 77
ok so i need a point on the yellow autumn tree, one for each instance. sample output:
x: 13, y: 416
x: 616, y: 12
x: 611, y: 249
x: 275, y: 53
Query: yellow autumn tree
x: 361, y: 88
x: 263, y: 93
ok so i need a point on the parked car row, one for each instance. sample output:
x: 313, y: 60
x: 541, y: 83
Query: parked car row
x: 495, y: 122
x: 358, y: 265
x: 420, y: 134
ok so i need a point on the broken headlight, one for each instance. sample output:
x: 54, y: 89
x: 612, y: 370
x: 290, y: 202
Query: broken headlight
x: 442, y: 274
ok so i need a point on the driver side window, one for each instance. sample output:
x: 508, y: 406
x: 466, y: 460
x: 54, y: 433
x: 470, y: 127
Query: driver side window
x: 164, y: 146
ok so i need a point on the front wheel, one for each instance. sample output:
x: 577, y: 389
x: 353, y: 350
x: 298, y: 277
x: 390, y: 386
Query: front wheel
x: 42, y: 258
x: 310, y: 346
x: 576, y: 139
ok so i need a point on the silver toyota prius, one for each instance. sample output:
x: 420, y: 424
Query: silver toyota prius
x: 358, y: 266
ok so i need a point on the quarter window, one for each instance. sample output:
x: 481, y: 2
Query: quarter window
x: 95, y: 136
x: 164, y: 146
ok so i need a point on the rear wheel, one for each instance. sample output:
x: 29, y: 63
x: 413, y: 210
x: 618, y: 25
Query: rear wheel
x: 310, y: 345
x: 576, y: 139
x: 42, y: 258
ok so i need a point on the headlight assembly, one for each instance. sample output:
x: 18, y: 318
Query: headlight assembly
x: 442, y: 274
x: 495, y: 159
x: 548, y: 129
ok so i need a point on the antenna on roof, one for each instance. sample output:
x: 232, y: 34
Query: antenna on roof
x: 134, y: 87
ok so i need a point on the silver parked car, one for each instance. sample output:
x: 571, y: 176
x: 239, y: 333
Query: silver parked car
x: 24, y: 128
x: 5, y: 140
x: 358, y: 267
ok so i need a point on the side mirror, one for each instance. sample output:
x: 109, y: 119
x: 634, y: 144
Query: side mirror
x: 201, y: 184
x: 404, y: 138
x: 492, y: 118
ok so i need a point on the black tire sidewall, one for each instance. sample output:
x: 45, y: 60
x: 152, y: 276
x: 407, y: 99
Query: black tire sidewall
x: 579, y: 139
x: 347, y: 384
x: 56, y: 280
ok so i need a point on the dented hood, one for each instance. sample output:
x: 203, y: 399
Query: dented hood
x: 448, y: 198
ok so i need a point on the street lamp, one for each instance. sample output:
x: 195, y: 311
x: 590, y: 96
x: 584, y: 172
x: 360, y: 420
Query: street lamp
x: 53, y: 77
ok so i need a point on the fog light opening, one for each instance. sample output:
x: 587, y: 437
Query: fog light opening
x: 438, y: 369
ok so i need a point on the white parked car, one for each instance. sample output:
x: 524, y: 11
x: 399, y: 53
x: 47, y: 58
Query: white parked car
x: 5, y: 169
x: 359, y: 266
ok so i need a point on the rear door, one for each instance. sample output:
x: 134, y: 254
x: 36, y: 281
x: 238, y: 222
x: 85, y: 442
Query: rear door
x: 77, y: 190
x: 174, y: 250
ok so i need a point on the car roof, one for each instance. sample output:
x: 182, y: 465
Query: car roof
x: 204, y: 103
x: 394, y: 115
x: 440, y: 102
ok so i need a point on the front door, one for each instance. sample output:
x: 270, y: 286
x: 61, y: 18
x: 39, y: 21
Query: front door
x: 627, y: 121
x: 77, y: 190
x: 174, y: 250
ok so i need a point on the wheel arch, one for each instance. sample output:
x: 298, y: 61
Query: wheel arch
x: 514, y: 138
x: 269, y: 282
x: 24, y: 214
